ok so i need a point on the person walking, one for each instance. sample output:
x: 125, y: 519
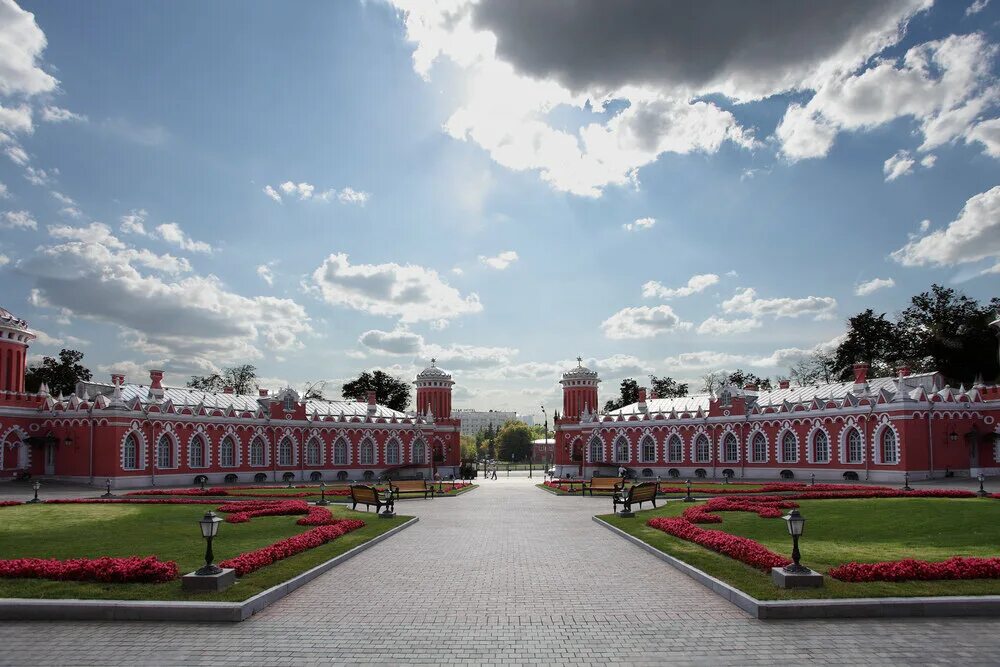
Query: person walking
x: 494, y: 470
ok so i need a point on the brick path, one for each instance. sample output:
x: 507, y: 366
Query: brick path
x: 505, y: 574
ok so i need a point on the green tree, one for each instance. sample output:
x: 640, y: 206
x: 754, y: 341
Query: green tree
x: 667, y: 387
x: 242, y: 378
x: 816, y: 368
x: 389, y: 391
x: 712, y: 381
x: 469, y: 448
x: 629, y: 395
x: 742, y: 378
x: 60, y: 376
x: 871, y: 339
x: 514, y: 441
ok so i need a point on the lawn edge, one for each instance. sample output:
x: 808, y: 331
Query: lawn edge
x: 888, y: 607
x: 28, y: 609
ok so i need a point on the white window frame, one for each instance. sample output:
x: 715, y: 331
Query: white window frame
x: 229, y: 440
x: 675, y: 444
x: 758, y: 439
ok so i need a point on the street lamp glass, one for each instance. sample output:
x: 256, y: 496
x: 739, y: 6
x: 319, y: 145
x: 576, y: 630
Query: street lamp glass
x: 37, y: 485
x: 796, y: 522
x: 210, y: 525
x: 953, y: 436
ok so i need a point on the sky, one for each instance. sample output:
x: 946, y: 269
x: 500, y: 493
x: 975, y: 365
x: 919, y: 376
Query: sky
x: 325, y: 188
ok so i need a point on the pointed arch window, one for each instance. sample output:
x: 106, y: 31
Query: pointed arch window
x: 227, y: 452
x: 759, y: 448
x: 392, y: 452
x: 289, y: 403
x: 164, y: 452
x: 648, y: 450
x: 313, y: 452
x: 855, y: 450
x: 788, y: 448
x: 702, y: 451
x: 196, y: 452
x: 675, y: 449
x: 888, y: 446
x: 596, y: 450
x: 286, y: 456
x: 340, y: 452
x: 622, y: 450
x: 821, y: 447
x: 730, y: 448
x: 257, y: 449
x: 367, y: 453
x: 419, y: 451
x: 130, y: 453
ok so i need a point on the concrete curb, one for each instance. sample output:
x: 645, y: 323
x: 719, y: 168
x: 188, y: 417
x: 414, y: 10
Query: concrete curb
x: 895, y: 607
x: 14, y: 609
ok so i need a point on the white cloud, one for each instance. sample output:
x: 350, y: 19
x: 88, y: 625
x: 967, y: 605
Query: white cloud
x: 704, y: 359
x: 16, y: 119
x: 272, y: 193
x: 53, y: 114
x: 42, y: 338
x: 988, y: 134
x: 4, y: 193
x: 746, y: 301
x: 301, y: 190
x: 866, y: 288
x: 459, y: 357
x: 653, y: 289
x: 973, y: 236
x: 944, y: 85
x: 457, y: 271
x: 501, y: 261
x: 399, y: 341
x: 641, y: 223
x: 4, y: 260
x: 925, y: 225
x: 18, y: 220
x: 62, y: 199
x: 39, y: 176
x: 902, y: 163
x: 928, y: 161
x: 642, y: 322
x: 17, y: 154
x: 351, y: 196
x: 133, y: 222
x: 71, y: 211
x: 100, y: 234
x: 95, y: 232
x: 266, y: 273
x: 21, y: 46
x: 976, y: 7
x: 718, y: 326
x: 412, y: 293
x: 172, y: 233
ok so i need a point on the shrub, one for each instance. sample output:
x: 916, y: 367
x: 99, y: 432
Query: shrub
x: 957, y: 567
x: 742, y: 549
x: 130, y: 570
x: 254, y: 560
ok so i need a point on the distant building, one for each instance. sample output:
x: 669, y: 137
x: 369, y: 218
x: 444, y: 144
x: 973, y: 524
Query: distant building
x: 474, y: 421
x: 543, y: 450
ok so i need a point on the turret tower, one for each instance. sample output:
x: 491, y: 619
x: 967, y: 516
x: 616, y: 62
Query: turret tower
x: 14, y: 340
x: 434, y: 391
x: 579, y: 390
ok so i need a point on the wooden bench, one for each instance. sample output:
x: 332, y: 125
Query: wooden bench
x: 362, y: 494
x: 411, y: 486
x: 603, y: 484
x: 637, y: 493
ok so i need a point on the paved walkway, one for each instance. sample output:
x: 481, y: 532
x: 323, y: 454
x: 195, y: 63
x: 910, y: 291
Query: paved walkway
x: 504, y: 574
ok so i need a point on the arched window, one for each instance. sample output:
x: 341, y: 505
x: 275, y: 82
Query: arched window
x: 731, y: 449
x: 392, y: 452
x: 759, y: 448
x: 821, y: 447
x: 257, y: 450
x: 855, y: 451
x: 289, y: 403
x: 648, y: 450
x: 419, y: 451
x: 227, y: 452
x: 702, y: 451
x: 286, y: 457
x: 788, y: 448
x: 130, y: 452
x: 367, y: 452
x: 675, y: 449
x: 164, y: 452
x: 196, y: 452
x: 622, y: 454
x: 888, y: 445
x: 596, y: 450
x: 313, y: 451
x: 725, y: 398
x: 340, y: 452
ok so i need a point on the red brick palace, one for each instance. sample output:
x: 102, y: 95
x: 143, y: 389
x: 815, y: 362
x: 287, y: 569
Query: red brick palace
x: 150, y: 434
x: 871, y: 428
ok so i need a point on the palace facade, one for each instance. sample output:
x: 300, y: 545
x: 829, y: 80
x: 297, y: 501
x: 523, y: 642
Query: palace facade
x: 869, y: 429
x: 148, y: 434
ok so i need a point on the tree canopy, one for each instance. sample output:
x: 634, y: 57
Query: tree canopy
x: 60, y: 376
x: 389, y: 391
x: 667, y: 387
x: 242, y: 378
x: 514, y: 441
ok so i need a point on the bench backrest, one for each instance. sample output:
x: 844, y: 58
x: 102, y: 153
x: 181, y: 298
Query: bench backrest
x: 411, y: 485
x: 608, y: 482
x: 364, y: 494
x: 642, y: 492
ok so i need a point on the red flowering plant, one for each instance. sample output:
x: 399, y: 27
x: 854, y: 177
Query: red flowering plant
x: 252, y: 561
x: 909, y: 569
x: 742, y: 549
x: 10, y: 503
x: 243, y: 511
x: 768, y: 507
x: 133, y: 569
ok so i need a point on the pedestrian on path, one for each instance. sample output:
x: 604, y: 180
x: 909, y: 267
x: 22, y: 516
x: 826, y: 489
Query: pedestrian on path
x: 494, y: 470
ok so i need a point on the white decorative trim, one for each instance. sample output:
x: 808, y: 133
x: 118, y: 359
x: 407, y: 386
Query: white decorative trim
x: 367, y: 438
x: 615, y: 458
x: 818, y: 427
x: 289, y: 437
x: 262, y: 439
x: 590, y: 448
x: 206, y: 445
x: 767, y: 446
x: 314, y: 438
x: 175, y: 449
x: 419, y: 439
x: 722, y: 446
x: 844, y: 445
x: 877, y: 443
x: 641, y: 448
x: 703, y: 438
x: 140, y: 452
x: 779, y: 445
x: 666, y: 453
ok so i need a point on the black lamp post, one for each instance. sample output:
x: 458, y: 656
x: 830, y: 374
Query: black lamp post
x: 290, y: 484
x: 107, y: 489
x: 953, y: 436
x: 982, y: 492
x: 202, y: 481
x: 687, y: 497
x: 812, y: 479
x: 37, y: 485
x: 209, y: 529
x: 906, y: 481
x: 322, y: 494
x: 796, y: 524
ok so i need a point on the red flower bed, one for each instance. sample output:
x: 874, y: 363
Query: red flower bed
x: 243, y: 511
x: 318, y: 516
x: 10, y: 503
x: 130, y: 501
x: 957, y: 567
x: 254, y: 560
x: 148, y: 570
x: 766, y: 507
x: 740, y: 548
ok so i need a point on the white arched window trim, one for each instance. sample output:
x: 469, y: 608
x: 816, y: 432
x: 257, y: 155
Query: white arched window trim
x: 729, y: 448
x: 259, y: 454
x: 675, y: 449
x: 880, y: 445
x: 314, y: 451
x: 167, y: 451
x: 788, y: 437
x: 595, y: 450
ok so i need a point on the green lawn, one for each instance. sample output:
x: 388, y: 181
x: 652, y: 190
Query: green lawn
x: 697, y: 490
x: 313, y: 493
x: 839, y: 531
x: 170, y: 532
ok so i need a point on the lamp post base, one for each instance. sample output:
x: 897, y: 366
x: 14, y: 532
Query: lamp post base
x: 626, y: 515
x: 782, y: 578
x: 209, y: 583
x: 386, y: 515
x: 322, y: 503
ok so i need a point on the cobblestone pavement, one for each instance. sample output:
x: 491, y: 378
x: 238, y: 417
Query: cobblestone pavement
x: 505, y: 574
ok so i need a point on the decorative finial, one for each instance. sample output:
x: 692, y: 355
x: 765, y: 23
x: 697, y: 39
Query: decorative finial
x: 579, y: 361
x: 433, y: 361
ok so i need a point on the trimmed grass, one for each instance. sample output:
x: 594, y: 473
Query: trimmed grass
x: 170, y: 532
x: 314, y: 494
x: 696, y: 489
x: 839, y: 531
